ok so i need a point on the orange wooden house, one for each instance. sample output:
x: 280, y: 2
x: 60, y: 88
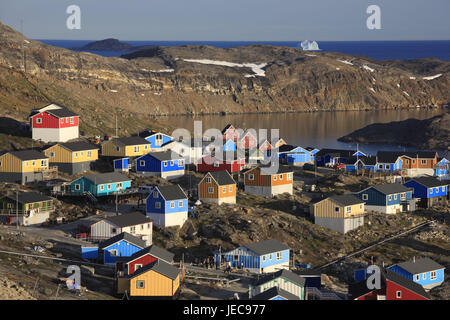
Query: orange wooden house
x: 268, y: 181
x: 217, y: 187
x: 419, y: 160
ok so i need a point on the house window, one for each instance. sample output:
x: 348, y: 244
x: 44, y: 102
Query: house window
x: 67, y: 120
x: 365, y: 196
x: 433, y: 275
x: 263, y: 258
x: 33, y: 163
x: 270, y: 256
x: 336, y: 209
x: 149, y: 226
x: 172, y: 204
x: 81, y: 153
x: 224, y: 189
x: 51, y: 154
x: 281, y: 177
x: 155, y: 194
x: 231, y: 188
x: 235, y: 257
x: 403, y: 196
x: 210, y: 190
x: 102, y: 187
x: 119, y: 185
x: 380, y: 166
x: 136, y: 149
x: 89, y: 154
x: 137, y: 267
x: 72, y: 120
x: 424, y: 161
x: 0, y: 163
x: 279, y: 255
x: 398, y: 294
x: 437, y: 190
x: 208, y: 180
x: 171, y: 163
x: 117, y: 148
x: 142, y: 227
x: 76, y: 154
x: 145, y: 147
x: 251, y: 177
x: 113, y: 230
x: 158, y: 205
x: 39, y: 120
x: 165, y: 163
x: 417, y: 277
x: 349, y: 209
x: 424, y: 276
x: 395, y: 197
x: 109, y: 187
x: 77, y: 187
x: 180, y: 204
x: 216, y: 164
x: 442, y: 188
x: 43, y: 163
x: 113, y: 253
x: 390, y: 197
x: 140, y: 284
x: 289, y: 176
x: 142, y: 163
x: 431, y: 191
x: 275, y: 178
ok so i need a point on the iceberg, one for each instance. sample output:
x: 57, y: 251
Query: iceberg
x: 309, y: 45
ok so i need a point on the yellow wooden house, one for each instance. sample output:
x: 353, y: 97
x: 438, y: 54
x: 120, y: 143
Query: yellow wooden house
x: 126, y: 147
x: 23, y: 166
x: 341, y: 213
x: 72, y: 157
x: 158, y: 279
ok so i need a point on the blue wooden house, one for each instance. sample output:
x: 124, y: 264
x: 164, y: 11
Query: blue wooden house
x: 332, y: 157
x: 442, y: 168
x: 429, y: 190
x: 156, y: 139
x: 312, y: 151
x: 167, y: 164
x: 387, y: 198
x: 229, y: 145
x: 122, y: 245
x: 295, y: 156
x: 121, y: 165
x: 359, y: 164
x: 167, y: 206
x: 102, y: 184
x: 389, y: 161
x: 260, y: 257
x: 424, y: 271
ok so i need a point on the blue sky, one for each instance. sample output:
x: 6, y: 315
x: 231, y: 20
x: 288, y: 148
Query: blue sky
x: 232, y: 20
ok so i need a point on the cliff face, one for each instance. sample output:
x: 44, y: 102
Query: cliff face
x: 203, y: 79
x: 433, y: 133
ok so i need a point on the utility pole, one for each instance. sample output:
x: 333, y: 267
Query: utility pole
x: 17, y: 209
x: 117, y: 204
x: 117, y: 131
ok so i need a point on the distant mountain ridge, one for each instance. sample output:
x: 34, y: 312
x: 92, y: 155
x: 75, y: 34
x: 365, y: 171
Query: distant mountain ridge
x: 109, y: 44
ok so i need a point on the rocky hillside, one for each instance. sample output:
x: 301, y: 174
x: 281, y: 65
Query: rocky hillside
x: 203, y: 79
x: 433, y: 133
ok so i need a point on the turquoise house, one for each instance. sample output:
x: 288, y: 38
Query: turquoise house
x: 426, y: 272
x: 442, y: 168
x: 102, y: 184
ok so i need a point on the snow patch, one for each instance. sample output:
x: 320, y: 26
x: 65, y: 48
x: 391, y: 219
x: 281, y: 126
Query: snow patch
x: 346, y: 62
x: 432, y: 77
x: 368, y: 68
x: 113, y: 90
x: 309, y: 45
x: 256, y: 68
x: 398, y: 85
x: 412, y: 78
x: 310, y: 55
x: 338, y: 68
x: 372, y: 89
x: 406, y: 93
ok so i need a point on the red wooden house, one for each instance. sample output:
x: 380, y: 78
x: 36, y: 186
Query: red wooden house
x: 232, y: 162
x: 393, y: 287
x: 247, y: 141
x: 230, y: 133
x: 144, y: 257
x: 54, y: 123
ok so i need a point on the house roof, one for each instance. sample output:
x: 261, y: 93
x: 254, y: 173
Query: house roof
x: 147, y: 133
x: 280, y: 169
x: 429, y: 182
x: 360, y: 288
x: 226, y: 128
x: 346, y: 199
x: 406, y: 283
x: 25, y: 155
x: 160, y: 267
x: 171, y: 192
x: 78, y: 146
x: 267, y: 246
x: 107, y: 177
x: 123, y: 236
x: 281, y: 273
x: 368, y: 161
x: 387, y: 156
x: 131, y: 141
x: 391, y: 188
x: 154, y: 251
x: 164, y: 156
x: 29, y: 197
x: 336, y: 153
x: 420, y: 154
x: 129, y: 219
x: 61, y: 113
x: 274, y: 292
x: 222, y: 177
x: 286, y: 148
x: 420, y: 265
